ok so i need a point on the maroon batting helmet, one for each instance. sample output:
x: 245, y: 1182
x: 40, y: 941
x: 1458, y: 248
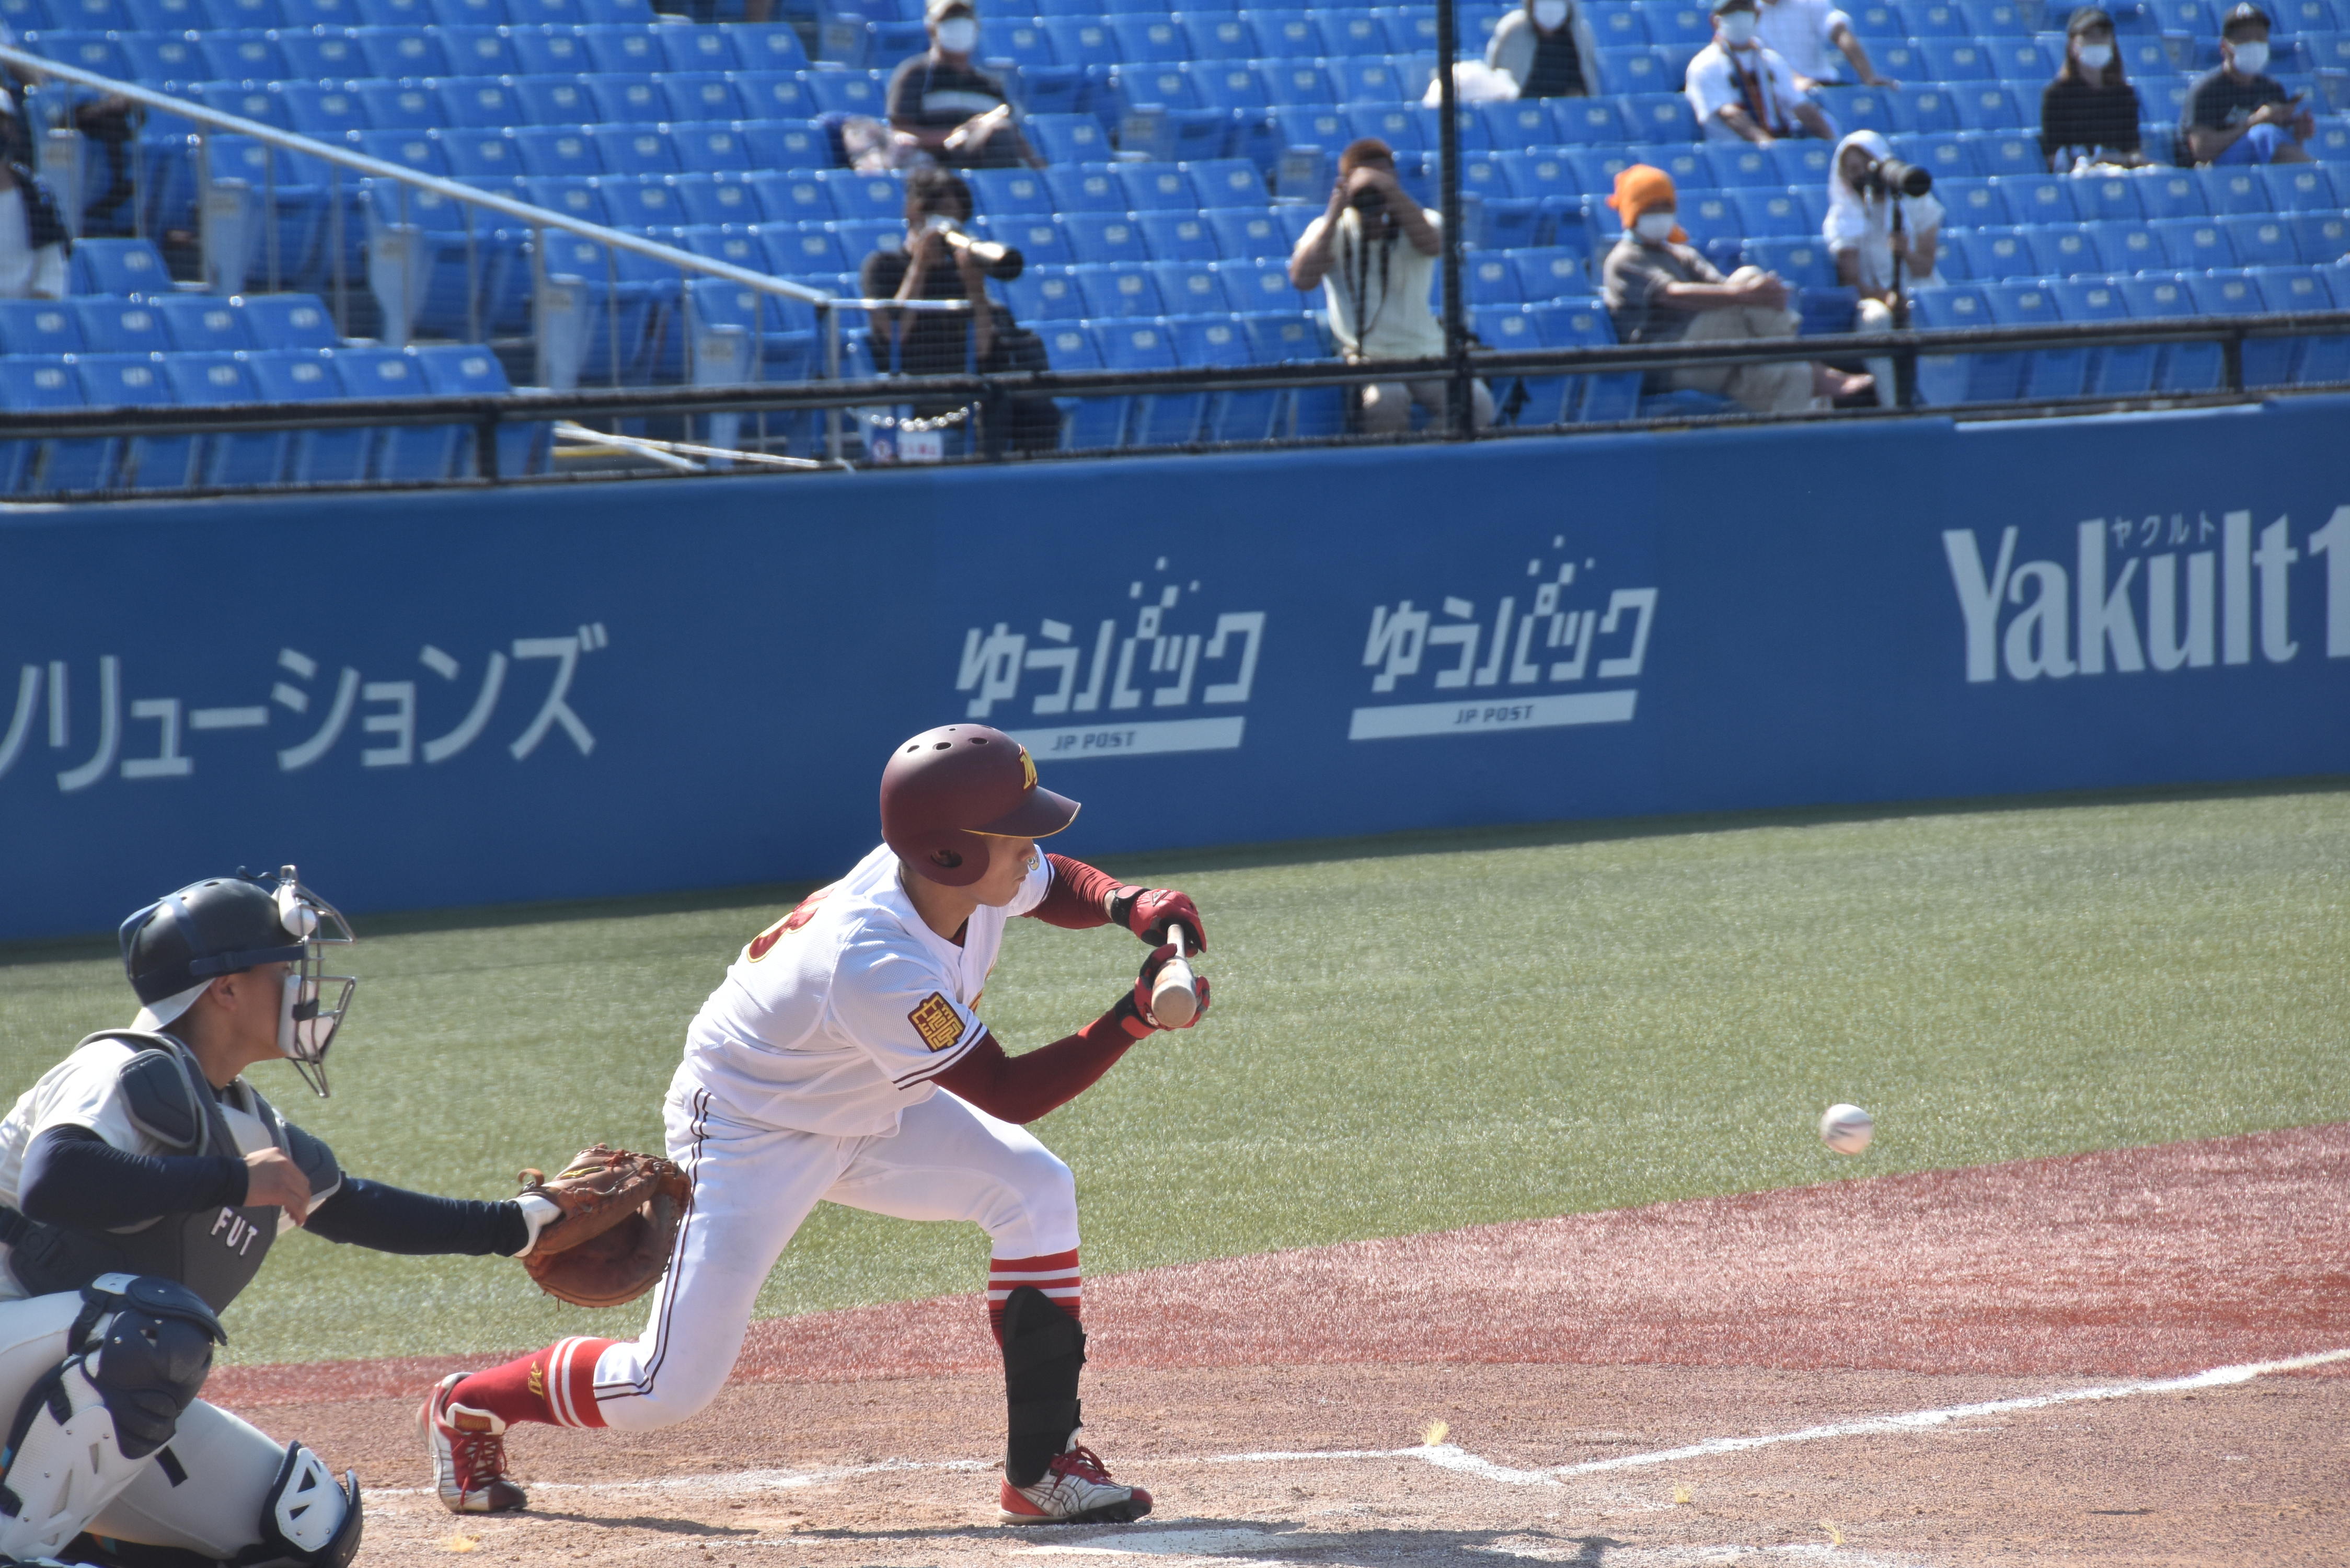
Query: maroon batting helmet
x: 948, y: 790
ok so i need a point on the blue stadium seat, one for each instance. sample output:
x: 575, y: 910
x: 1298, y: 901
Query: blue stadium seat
x: 1536, y: 174
x: 1987, y: 107
x: 1157, y: 188
x: 1657, y: 117
x: 776, y: 95
x: 2063, y: 251
x: 396, y: 107
x: 1191, y: 288
x: 563, y: 151
x: 2129, y: 248
x: 1994, y: 254
x: 2047, y: 372
x: 2171, y: 194
x: 622, y: 51
x: 1973, y: 204
x: 1082, y: 190
x: 1148, y: 346
x: 1922, y: 110
x: 2235, y: 190
x: 2017, y: 59
x: 1945, y: 378
x: 207, y: 322
x: 2009, y: 155
x: 116, y: 267
x: 2302, y: 291
x: 1286, y: 34
x: 2183, y: 366
x: 1402, y: 126
x: 1104, y: 237
x: 1773, y: 215
x: 145, y: 15
x: 1945, y: 157
x: 1587, y: 121
x: 1938, y: 20
x: 2038, y: 198
x: 448, y: 13
x: 1709, y: 215
x: 1179, y: 237
x: 1949, y: 58
x: 543, y: 13
x: 2267, y: 361
x: 549, y: 102
x: 1591, y: 400
x: 704, y: 49
x: 631, y: 203
x: 1615, y: 24
x: 1299, y: 81
x: 1118, y: 290
x: 1509, y: 325
x: 1044, y: 293
x: 1000, y: 193
x: 28, y: 383
x: 160, y: 58
x: 845, y: 92
x: 113, y: 380
x: 2193, y: 244
x: 253, y: 100
x: 1143, y: 39
x: 481, y: 155
x: 1367, y: 81
x: 1355, y: 34
x: 543, y: 51
x: 97, y: 52
x: 1226, y: 182
x: 735, y: 244
x: 623, y: 100
x: 1261, y: 284
x: 1638, y: 67
x: 2320, y: 239
x: 200, y: 379
x: 307, y: 375
x: 773, y: 47
x: 635, y: 149
x: 2263, y: 241
x: 478, y: 51
x: 410, y: 453
x: 784, y: 145
x: 1080, y: 39
x: 39, y: 327
x: 2300, y: 188
x: 1804, y: 262
x: 326, y: 111
x: 1066, y: 138
x: 480, y: 103
x: 1217, y: 39
x: 803, y: 251
x: 1244, y: 234
x: 700, y: 96
x: 1327, y: 129
x: 2121, y: 372
x: 2106, y: 199
x: 785, y: 329
x: 1021, y: 43
x: 1489, y: 277
x: 397, y: 52
x: 863, y: 196
x: 711, y: 147
x: 1230, y: 84
x: 460, y: 369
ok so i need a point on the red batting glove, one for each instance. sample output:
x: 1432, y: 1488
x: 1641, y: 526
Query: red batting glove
x: 1132, y: 1012
x: 1148, y: 911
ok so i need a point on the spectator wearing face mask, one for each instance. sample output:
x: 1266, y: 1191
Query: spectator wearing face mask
x: 2090, y: 112
x: 1742, y: 91
x: 1373, y: 252
x: 952, y: 110
x: 1803, y: 32
x: 1548, y: 50
x: 1659, y: 290
x: 2239, y: 114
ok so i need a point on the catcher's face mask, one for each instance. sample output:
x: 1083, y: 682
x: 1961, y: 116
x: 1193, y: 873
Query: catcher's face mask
x: 314, y: 1001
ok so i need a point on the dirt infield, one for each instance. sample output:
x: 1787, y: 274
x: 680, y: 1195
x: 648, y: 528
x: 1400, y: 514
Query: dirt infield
x: 1563, y: 1356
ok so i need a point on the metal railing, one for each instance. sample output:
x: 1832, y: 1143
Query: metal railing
x: 547, y: 288
x: 486, y: 416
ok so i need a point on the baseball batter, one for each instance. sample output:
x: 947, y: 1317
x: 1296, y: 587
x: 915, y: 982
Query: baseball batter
x: 142, y: 1180
x: 843, y: 1059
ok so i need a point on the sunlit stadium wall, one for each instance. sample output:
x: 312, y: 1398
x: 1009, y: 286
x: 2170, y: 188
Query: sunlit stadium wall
x: 432, y: 700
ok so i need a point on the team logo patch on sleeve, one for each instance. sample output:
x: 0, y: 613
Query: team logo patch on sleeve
x: 936, y: 1021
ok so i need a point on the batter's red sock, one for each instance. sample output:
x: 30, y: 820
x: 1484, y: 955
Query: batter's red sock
x: 1055, y: 1273
x: 554, y: 1386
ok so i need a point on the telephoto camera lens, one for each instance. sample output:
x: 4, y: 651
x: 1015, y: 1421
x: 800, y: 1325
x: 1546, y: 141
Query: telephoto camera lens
x: 1907, y: 179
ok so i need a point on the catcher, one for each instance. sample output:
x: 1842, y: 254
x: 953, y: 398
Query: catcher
x: 843, y: 1059
x: 142, y: 1181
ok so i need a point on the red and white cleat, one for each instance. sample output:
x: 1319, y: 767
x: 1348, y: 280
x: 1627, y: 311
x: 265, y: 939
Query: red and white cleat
x: 1076, y: 1489
x: 469, y: 1454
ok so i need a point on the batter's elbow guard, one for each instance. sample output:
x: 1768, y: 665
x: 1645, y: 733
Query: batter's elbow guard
x: 1044, y: 1349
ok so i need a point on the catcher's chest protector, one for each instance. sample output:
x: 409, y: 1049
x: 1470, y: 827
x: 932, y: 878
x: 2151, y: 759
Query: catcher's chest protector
x: 214, y: 1252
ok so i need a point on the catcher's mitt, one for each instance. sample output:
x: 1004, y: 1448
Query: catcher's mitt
x: 612, y: 1241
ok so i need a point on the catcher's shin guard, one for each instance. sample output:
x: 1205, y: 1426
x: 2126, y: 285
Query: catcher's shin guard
x: 1044, y: 1349
x: 143, y: 1347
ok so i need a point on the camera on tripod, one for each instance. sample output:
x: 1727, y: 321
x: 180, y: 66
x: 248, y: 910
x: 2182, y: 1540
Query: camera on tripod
x: 1891, y: 177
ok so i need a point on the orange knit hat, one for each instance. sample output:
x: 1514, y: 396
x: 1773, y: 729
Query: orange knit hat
x: 1640, y: 189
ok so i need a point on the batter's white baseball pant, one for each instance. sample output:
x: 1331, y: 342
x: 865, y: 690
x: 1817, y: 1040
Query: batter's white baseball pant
x: 753, y: 1186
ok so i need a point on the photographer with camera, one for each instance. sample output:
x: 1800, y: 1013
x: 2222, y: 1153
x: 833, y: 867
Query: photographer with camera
x: 1741, y: 91
x: 1885, y: 229
x: 1373, y: 253
x: 1660, y: 290
x: 939, y: 260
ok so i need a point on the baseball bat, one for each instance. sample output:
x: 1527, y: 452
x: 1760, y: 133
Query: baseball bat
x: 1174, y: 996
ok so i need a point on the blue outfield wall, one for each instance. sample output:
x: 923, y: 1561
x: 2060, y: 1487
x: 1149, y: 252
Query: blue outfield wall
x: 444, y: 700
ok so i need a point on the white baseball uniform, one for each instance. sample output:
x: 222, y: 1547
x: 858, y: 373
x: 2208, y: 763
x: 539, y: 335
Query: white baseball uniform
x: 808, y: 1076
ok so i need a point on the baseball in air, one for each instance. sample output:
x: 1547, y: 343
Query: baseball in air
x: 1846, y: 1129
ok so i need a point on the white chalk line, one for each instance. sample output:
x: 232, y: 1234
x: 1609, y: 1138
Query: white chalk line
x: 1451, y: 1457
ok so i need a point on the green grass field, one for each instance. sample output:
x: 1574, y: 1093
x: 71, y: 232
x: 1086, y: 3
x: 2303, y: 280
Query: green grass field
x: 1409, y: 1034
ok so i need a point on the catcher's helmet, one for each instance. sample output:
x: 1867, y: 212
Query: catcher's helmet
x: 179, y: 944
x: 947, y: 790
